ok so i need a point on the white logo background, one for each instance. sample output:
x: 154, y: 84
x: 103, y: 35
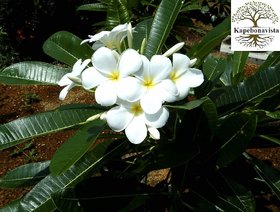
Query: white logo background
x: 259, y: 31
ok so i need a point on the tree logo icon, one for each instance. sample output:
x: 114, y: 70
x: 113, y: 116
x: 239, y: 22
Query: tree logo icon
x: 254, y: 25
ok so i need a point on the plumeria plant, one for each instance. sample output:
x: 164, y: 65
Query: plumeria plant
x: 181, y: 110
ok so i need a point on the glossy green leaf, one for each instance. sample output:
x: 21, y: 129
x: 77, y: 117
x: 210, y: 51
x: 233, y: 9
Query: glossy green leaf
x: 189, y: 105
x: 67, y: 200
x: 141, y: 32
x: 272, y: 60
x: 233, y: 136
x: 211, y: 113
x: 214, y: 67
x: 211, y: 40
x: 76, y: 146
x: 12, y: 207
x: 66, y: 48
x: 40, y: 197
x: 270, y: 138
x: 263, y: 84
x: 270, y: 175
x: 164, y: 19
x: 238, y: 62
x: 117, y: 13
x: 93, y: 7
x: 240, y: 196
x: 19, y: 130
x: 25, y: 175
x: 32, y: 72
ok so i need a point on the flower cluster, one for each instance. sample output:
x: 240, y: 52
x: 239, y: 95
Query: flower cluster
x: 136, y: 87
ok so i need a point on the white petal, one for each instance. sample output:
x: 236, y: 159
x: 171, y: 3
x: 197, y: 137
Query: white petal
x: 64, y: 80
x: 151, y: 102
x: 144, y: 71
x: 97, y: 36
x: 78, y: 70
x: 158, y: 119
x: 160, y: 68
x: 130, y: 89
x: 130, y: 62
x: 182, y: 87
x: 120, y: 27
x: 136, y: 131
x: 193, y: 62
x: 194, y: 77
x: 118, y: 118
x: 105, y: 93
x: 154, y: 133
x: 92, y: 78
x: 168, y: 90
x: 104, y: 60
x: 98, y: 44
x: 180, y: 63
x: 63, y: 93
x: 174, y: 49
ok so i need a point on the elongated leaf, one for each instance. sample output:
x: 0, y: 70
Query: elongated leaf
x: 76, y: 146
x: 210, y: 41
x: 163, y: 22
x: 270, y: 138
x: 270, y: 175
x: 17, y: 131
x: 234, y: 135
x: 211, y: 113
x: 25, y: 175
x: 12, y: 207
x: 32, y: 73
x: 66, y: 48
x: 117, y: 13
x: 189, y: 105
x: 263, y: 84
x: 141, y: 32
x: 214, y: 67
x: 239, y: 59
x: 67, y: 200
x: 240, y: 196
x: 272, y: 60
x: 39, y: 198
x: 93, y: 7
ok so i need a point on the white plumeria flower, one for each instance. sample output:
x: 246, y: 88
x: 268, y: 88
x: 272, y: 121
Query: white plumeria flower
x: 183, y: 76
x: 154, y: 87
x: 111, y: 39
x: 136, y: 123
x: 111, y: 74
x: 72, y: 79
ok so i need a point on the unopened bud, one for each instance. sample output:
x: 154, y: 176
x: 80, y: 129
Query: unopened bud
x: 174, y: 49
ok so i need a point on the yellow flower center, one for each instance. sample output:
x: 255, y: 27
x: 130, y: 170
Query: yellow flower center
x: 136, y: 109
x: 148, y: 82
x: 173, y: 76
x: 115, y: 75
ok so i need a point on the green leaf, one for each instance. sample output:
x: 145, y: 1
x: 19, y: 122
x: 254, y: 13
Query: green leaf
x: 270, y: 138
x: 76, y: 146
x: 238, y: 62
x: 66, y: 48
x: 210, y: 41
x: 164, y: 19
x: 117, y: 13
x: 39, y: 198
x: 272, y: 60
x: 67, y: 200
x: 270, y: 175
x: 32, y: 72
x: 211, y: 113
x: 96, y: 7
x: 12, y: 207
x: 19, y: 130
x: 189, y: 105
x: 214, y: 67
x: 263, y: 84
x: 141, y: 32
x: 25, y: 175
x: 240, y: 196
x: 233, y: 136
